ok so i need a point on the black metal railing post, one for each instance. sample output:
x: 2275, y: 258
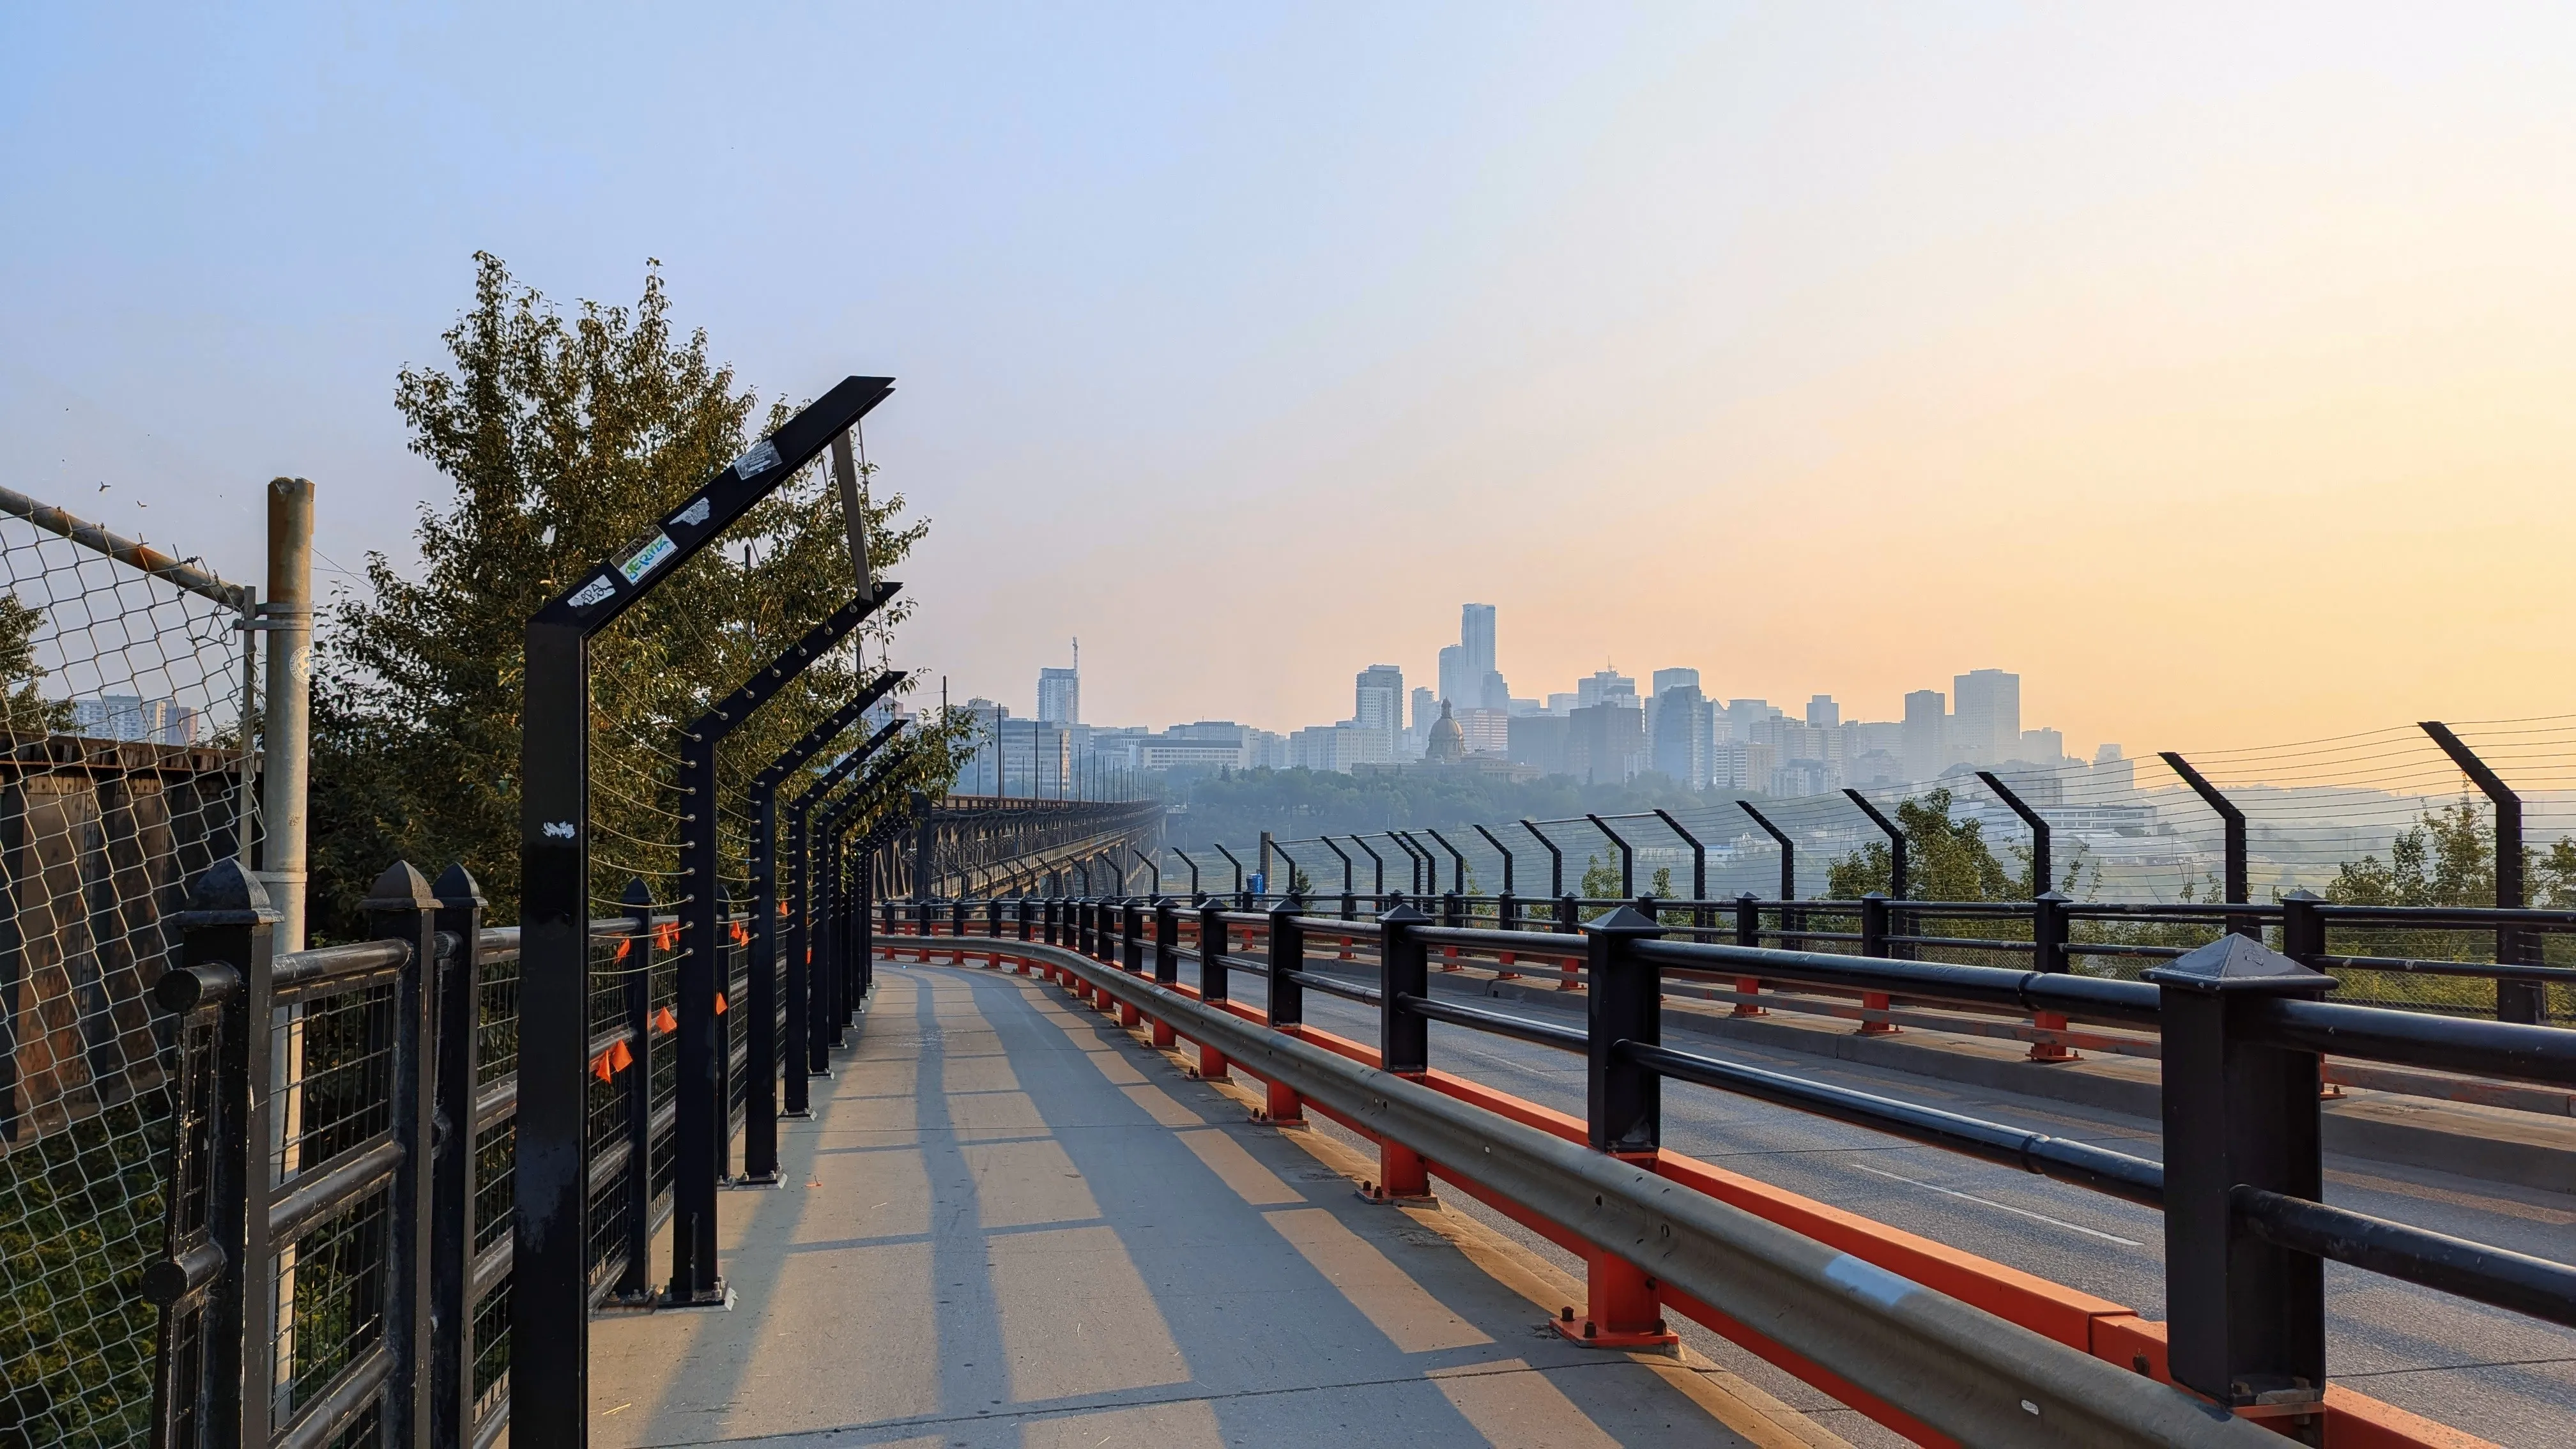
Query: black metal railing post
x: 1748, y: 920
x: 460, y: 999
x: 1623, y: 1101
x: 1051, y: 903
x: 634, y: 1284
x: 1404, y: 970
x: 1212, y: 967
x: 1132, y: 935
x: 1873, y: 924
x: 401, y: 907
x: 1024, y: 909
x: 2048, y: 931
x: 1167, y: 942
x: 217, y: 1335
x: 2245, y: 1317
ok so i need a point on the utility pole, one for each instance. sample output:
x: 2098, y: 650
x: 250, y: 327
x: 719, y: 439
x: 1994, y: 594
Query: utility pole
x: 288, y: 729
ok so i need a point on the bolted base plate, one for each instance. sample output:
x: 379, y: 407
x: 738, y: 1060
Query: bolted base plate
x: 1585, y: 1332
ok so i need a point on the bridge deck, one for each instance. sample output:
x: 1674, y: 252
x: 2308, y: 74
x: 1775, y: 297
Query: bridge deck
x: 1011, y: 1223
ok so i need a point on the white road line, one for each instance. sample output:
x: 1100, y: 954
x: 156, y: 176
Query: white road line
x: 2007, y: 1207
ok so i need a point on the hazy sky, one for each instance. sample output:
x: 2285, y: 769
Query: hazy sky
x: 2210, y: 368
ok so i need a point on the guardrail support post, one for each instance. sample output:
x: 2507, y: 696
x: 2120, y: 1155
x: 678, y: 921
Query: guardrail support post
x: 2245, y: 1319
x: 401, y: 908
x: 2048, y: 932
x: 460, y: 993
x: 1212, y: 983
x: 1404, y: 1041
x: 1287, y: 1000
x: 1748, y: 934
x: 635, y: 1284
x: 1624, y: 1111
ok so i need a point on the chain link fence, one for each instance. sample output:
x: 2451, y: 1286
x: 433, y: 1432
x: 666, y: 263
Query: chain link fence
x: 125, y: 701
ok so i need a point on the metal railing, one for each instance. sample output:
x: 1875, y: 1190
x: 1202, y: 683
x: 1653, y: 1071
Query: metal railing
x: 2243, y: 1030
x: 308, y: 1247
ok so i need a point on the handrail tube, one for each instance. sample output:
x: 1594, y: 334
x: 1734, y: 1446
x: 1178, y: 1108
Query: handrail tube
x: 1335, y: 986
x: 2115, y: 1173
x: 324, y: 1417
x: 2478, y: 1048
x: 1525, y: 943
x: 2089, y: 996
x: 318, y: 1193
x: 1497, y: 1023
x: 2498, y: 1277
x: 301, y: 971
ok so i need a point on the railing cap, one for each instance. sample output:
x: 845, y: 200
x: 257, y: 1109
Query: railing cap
x: 1404, y: 914
x: 227, y: 895
x: 2238, y: 963
x: 1625, y: 921
x: 401, y: 888
x: 457, y: 888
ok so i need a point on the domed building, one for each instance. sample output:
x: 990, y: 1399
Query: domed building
x: 1448, y: 742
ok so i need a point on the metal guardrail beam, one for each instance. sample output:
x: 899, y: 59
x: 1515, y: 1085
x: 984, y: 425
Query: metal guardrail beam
x: 1962, y: 1371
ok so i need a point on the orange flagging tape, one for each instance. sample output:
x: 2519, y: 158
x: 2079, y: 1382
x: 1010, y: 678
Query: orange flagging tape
x: 720, y: 1003
x: 666, y: 935
x: 664, y: 1022
x: 621, y: 949
x: 620, y: 1058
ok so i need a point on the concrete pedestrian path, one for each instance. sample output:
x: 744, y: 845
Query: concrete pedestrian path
x: 1011, y: 1223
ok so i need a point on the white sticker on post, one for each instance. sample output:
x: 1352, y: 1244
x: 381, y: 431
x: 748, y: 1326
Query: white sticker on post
x: 597, y: 591
x: 647, y: 557
x: 695, y: 513
x: 761, y: 457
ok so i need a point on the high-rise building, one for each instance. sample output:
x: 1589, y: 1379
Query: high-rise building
x: 1606, y: 686
x: 1927, y: 744
x: 1417, y: 726
x: 1986, y: 718
x: 1681, y: 732
x: 1668, y: 680
x: 1476, y: 637
x: 1060, y: 696
x: 2042, y: 746
x: 1822, y: 712
x: 132, y: 717
x: 1379, y: 704
x: 1605, y: 743
x: 1455, y: 686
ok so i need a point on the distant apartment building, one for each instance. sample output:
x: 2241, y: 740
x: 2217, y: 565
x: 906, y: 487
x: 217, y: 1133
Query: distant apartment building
x: 1927, y: 734
x: 1668, y: 680
x: 132, y: 717
x: 1681, y: 729
x: 1823, y: 713
x: 1606, y: 743
x: 2041, y: 746
x: 1606, y: 686
x: 1538, y: 741
x: 1340, y: 747
x: 1378, y: 703
x: 1487, y: 731
x: 1985, y: 720
x: 1060, y: 696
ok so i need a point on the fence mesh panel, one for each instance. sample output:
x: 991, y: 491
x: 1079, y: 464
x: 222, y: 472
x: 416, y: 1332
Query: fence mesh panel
x: 123, y: 701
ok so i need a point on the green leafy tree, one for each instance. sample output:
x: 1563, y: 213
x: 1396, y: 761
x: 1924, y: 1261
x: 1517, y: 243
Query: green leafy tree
x: 564, y: 437
x: 1946, y: 859
x: 24, y: 710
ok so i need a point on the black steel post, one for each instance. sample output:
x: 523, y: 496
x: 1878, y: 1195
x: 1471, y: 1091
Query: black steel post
x: 806, y: 976
x: 635, y: 963
x: 1555, y: 858
x: 401, y: 907
x: 1404, y: 970
x: 1212, y: 967
x: 1457, y: 862
x: 1287, y: 954
x: 1350, y: 894
x: 229, y: 925
x: 1873, y: 924
x: 460, y: 992
x: 1242, y: 900
x: 1748, y: 920
x: 2232, y: 820
x: 2048, y: 930
x: 2245, y: 1318
x: 550, y: 1275
x: 1623, y: 1101
x: 1377, y: 864
x: 2042, y: 879
x: 1167, y: 941
x: 1022, y: 909
x: 1896, y: 872
x: 1788, y: 851
x: 2517, y: 1001
x: 1627, y: 857
x: 1132, y: 935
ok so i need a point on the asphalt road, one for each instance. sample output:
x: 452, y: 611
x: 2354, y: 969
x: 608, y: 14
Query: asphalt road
x: 2496, y: 1374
